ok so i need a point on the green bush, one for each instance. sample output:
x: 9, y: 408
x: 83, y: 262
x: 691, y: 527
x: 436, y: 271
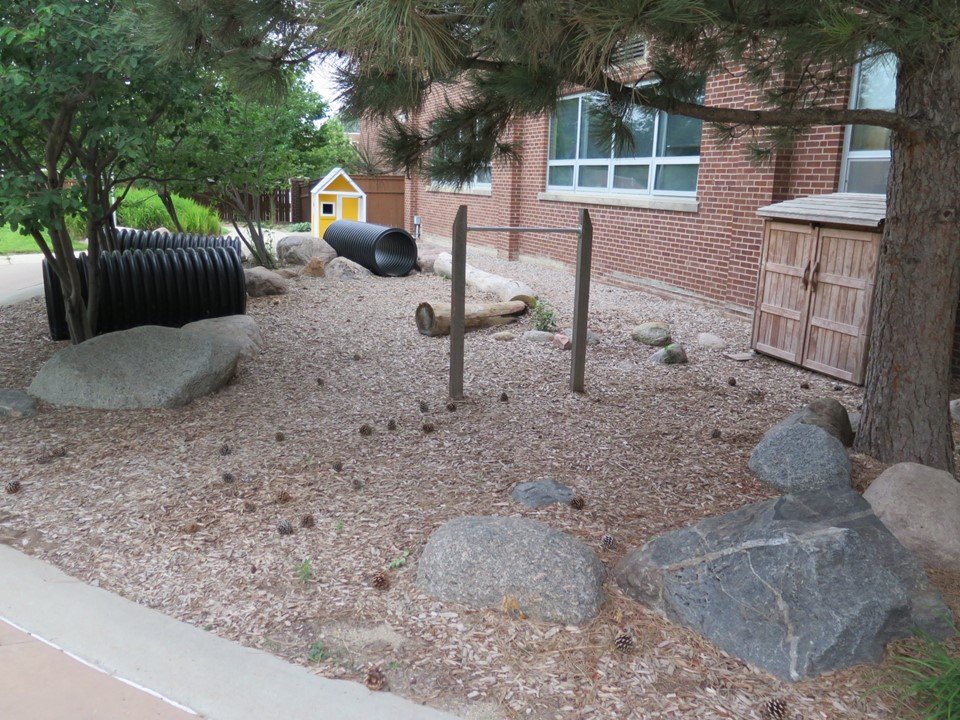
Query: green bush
x: 142, y: 209
x: 544, y: 317
x: 299, y: 227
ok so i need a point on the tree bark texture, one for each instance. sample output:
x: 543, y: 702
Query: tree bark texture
x: 905, y: 412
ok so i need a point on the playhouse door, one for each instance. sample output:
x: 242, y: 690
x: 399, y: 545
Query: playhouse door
x: 349, y: 208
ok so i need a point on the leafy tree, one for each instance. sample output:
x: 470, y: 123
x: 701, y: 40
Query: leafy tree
x: 83, y: 107
x: 517, y: 58
x: 322, y: 148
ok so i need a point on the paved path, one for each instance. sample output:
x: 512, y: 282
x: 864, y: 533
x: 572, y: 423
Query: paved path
x: 217, y: 679
x: 20, y: 278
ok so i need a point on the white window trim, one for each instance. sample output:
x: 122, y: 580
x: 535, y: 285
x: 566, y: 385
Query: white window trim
x: 651, y: 162
x: 849, y: 154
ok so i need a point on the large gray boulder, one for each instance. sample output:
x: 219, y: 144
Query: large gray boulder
x: 921, y: 506
x: 796, y: 586
x: 16, y: 404
x: 494, y: 561
x: 241, y: 330
x: 146, y: 367
x: 544, y: 491
x: 301, y: 248
x: 796, y: 456
x: 342, y: 269
x: 261, y: 282
x: 656, y: 334
x: 827, y: 414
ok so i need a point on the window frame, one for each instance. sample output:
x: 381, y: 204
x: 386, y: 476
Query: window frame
x: 652, y: 162
x: 333, y: 209
x: 854, y: 155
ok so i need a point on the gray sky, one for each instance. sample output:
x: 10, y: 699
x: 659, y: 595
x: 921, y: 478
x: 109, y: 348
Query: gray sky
x: 321, y: 79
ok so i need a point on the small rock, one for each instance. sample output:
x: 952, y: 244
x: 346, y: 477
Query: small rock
x: 249, y: 506
x: 314, y: 268
x: 479, y: 561
x: 854, y: 422
x: 740, y: 356
x: 592, y: 337
x: 357, y: 484
x: 260, y: 282
x: 16, y: 404
x: 342, y: 269
x: 672, y: 354
x: 562, y: 342
x: 545, y: 491
x: 538, y: 336
x: 504, y: 336
x: 838, y: 387
x: 191, y: 528
x: 920, y: 505
x: 710, y: 341
x: 656, y: 334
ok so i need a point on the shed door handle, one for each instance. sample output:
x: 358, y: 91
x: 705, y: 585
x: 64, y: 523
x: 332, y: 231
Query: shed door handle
x: 816, y: 274
x: 806, y: 274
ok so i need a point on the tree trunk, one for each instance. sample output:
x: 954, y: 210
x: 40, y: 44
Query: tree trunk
x: 167, y: 200
x: 433, y: 319
x: 905, y: 411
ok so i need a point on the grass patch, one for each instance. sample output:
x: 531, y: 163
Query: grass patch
x: 142, y: 209
x: 926, y: 679
x: 13, y: 243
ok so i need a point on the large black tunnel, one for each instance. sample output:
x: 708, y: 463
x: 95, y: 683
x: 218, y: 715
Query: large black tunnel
x: 130, y: 239
x: 169, y: 287
x: 383, y: 250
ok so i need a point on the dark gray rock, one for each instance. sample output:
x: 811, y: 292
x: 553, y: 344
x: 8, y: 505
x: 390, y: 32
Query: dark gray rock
x: 15, y: 404
x: 481, y: 561
x: 796, y: 586
x: 672, y: 354
x: 261, y: 282
x: 542, y: 492
x: 301, y: 248
x: 825, y: 413
x: 146, y: 367
x: 795, y: 456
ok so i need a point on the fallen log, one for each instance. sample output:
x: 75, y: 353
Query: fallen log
x: 433, y: 319
x: 504, y: 288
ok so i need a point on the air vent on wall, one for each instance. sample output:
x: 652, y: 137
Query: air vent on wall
x: 631, y: 50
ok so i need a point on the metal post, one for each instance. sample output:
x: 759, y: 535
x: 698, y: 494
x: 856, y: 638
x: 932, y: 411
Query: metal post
x: 458, y: 294
x: 581, y: 303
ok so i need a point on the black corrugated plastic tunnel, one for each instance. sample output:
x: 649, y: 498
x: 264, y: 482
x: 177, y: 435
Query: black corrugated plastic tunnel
x: 384, y: 250
x: 130, y: 239
x: 169, y: 287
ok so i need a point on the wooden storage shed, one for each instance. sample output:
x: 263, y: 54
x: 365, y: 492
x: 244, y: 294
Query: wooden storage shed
x: 336, y: 197
x: 817, y: 275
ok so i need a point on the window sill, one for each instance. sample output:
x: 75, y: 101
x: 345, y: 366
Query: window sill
x: 482, y: 192
x: 648, y: 202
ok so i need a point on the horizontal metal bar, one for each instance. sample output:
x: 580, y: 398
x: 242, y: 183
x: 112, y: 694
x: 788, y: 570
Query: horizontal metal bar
x: 524, y: 229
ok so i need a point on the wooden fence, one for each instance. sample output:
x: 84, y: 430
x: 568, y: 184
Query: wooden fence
x: 274, y: 207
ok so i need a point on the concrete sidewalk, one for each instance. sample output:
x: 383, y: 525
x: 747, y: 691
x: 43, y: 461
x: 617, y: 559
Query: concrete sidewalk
x: 217, y: 679
x: 21, y: 278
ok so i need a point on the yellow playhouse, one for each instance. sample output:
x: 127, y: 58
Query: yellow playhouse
x: 336, y: 197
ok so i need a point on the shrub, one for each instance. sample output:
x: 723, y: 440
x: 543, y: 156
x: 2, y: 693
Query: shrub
x: 299, y: 227
x: 544, y: 317
x: 142, y: 209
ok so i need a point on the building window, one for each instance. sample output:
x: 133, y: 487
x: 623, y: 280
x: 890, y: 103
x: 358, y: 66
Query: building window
x: 481, y: 180
x: 659, y: 153
x: 866, y: 158
x: 326, y: 209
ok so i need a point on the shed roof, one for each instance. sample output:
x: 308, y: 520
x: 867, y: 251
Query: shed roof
x: 330, y: 177
x: 857, y: 209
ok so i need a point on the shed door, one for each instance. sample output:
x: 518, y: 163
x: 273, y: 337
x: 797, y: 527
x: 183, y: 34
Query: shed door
x: 841, y: 296
x: 783, y: 293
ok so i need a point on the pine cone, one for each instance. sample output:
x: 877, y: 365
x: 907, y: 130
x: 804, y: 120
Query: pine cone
x: 451, y: 406
x: 280, y: 436
x: 225, y: 449
x: 191, y: 528
x: 424, y: 407
x: 428, y: 428
x: 607, y: 541
x: 284, y: 527
x: 319, y: 382
x: 228, y: 477
x: 338, y: 466
x: 357, y: 484
x: 376, y: 680
x: 392, y: 425
x: 774, y: 709
x: 307, y: 521
x: 503, y: 397
x: 13, y: 487
x: 283, y: 497
x: 249, y: 506
x: 577, y: 502
x: 366, y: 430
x: 380, y: 580
x: 624, y: 642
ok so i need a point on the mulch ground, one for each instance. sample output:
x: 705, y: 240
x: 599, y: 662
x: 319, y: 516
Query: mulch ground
x: 178, y: 509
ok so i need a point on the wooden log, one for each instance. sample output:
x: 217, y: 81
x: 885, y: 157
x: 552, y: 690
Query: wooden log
x: 504, y: 288
x: 433, y: 319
